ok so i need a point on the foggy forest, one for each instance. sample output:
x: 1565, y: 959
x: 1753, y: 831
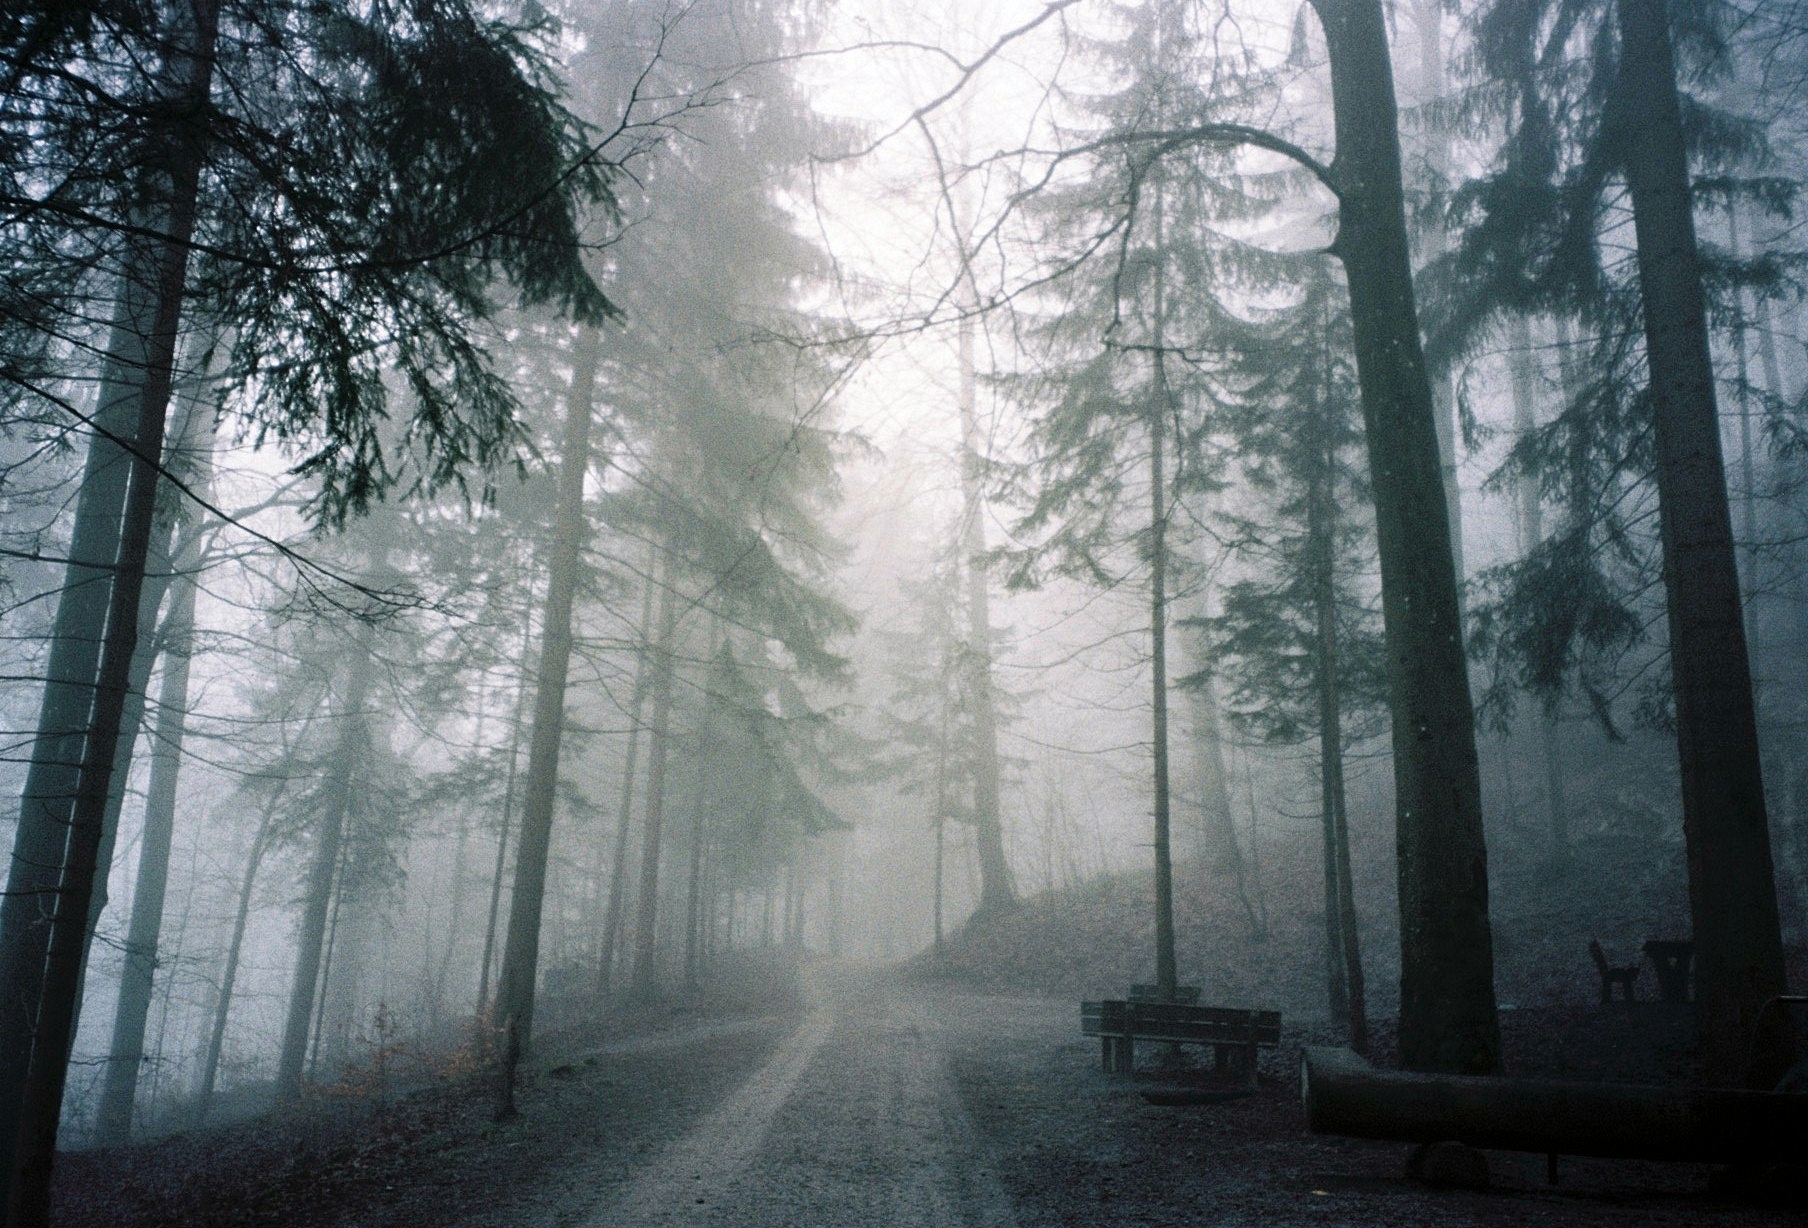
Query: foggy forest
x: 642, y: 612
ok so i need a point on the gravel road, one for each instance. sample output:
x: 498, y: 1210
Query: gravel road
x: 901, y: 1104
x: 881, y: 1102
x: 854, y: 1120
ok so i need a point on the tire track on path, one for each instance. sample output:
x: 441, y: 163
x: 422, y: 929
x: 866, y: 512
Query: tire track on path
x: 855, y: 1120
x: 692, y: 1173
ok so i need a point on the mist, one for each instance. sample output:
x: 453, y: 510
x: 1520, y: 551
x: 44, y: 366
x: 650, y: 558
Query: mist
x: 613, y: 611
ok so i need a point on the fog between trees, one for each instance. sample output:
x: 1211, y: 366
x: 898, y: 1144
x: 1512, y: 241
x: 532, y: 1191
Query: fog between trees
x: 514, y: 516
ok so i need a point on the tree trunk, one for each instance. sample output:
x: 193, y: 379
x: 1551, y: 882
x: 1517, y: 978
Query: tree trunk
x: 618, y: 868
x: 318, y: 898
x: 1531, y: 534
x: 997, y: 893
x: 940, y: 822
x: 131, y: 720
x: 1447, y: 1015
x: 1344, y: 1095
x: 786, y: 938
x: 436, y: 971
x: 1321, y: 560
x: 521, y: 955
x: 340, y: 973
x: 1428, y: 15
x: 508, y: 807
x: 161, y: 1075
x: 42, y: 832
x: 41, y: 1104
x: 1167, y: 977
x: 40, y: 972
x: 1794, y: 847
x: 693, y: 899
x: 131, y: 374
x: 1355, y: 980
x: 1344, y: 947
x: 193, y: 438
x: 210, y: 1064
x: 644, y: 981
x: 1220, y: 848
x: 1748, y: 469
x: 113, y: 1118
x: 1161, y: 405
x: 1222, y: 851
x: 1732, y: 890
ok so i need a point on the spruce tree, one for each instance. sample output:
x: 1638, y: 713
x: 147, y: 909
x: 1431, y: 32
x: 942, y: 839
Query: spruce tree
x: 225, y: 133
x: 1536, y: 234
x: 1296, y: 643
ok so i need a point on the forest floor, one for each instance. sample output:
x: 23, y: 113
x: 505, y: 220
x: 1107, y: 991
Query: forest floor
x: 882, y: 1099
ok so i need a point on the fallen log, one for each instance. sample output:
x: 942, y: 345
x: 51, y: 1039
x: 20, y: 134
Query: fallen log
x: 1345, y: 1095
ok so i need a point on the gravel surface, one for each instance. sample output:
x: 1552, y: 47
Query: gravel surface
x: 855, y: 1120
x: 884, y: 1102
x: 1075, y: 1146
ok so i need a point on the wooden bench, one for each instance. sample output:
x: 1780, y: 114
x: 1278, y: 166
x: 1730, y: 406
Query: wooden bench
x: 1229, y: 1030
x: 1671, y: 960
x: 1610, y: 975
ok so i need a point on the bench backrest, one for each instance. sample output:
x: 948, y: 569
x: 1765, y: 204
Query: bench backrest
x: 1177, y: 1021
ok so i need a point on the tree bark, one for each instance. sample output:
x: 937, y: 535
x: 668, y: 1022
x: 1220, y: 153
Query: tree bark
x: 41, y: 1104
x: 192, y: 438
x: 1748, y: 468
x: 1344, y: 1095
x: 318, y: 898
x: 1343, y: 947
x: 40, y: 966
x: 521, y: 955
x: 1447, y: 1013
x: 216, y: 1038
x: 644, y: 980
x: 1222, y: 851
x: 1428, y: 15
x: 1160, y: 406
x: 41, y: 835
x: 1531, y: 534
x: 1355, y: 980
x: 508, y: 808
x: 618, y: 868
x: 1732, y: 889
x: 693, y: 899
x: 113, y: 1118
x: 1321, y: 558
x: 1167, y: 977
x: 997, y: 893
x: 1218, y: 827
x: 940, y: 823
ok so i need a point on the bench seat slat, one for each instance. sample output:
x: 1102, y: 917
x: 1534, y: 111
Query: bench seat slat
x: 1120, y: 1024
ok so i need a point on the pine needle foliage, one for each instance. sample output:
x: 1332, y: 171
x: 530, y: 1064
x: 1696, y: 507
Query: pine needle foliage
x: 370, y: 172
x: 1544, y: 235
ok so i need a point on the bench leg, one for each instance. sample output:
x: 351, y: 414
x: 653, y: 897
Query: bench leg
x: 1105, y: 1053
x: 1126, y: 1054
x: 1243, y: 1062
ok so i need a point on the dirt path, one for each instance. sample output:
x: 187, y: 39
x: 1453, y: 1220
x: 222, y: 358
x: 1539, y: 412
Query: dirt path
x: 853, y: 1120
x: 884, y: 1102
